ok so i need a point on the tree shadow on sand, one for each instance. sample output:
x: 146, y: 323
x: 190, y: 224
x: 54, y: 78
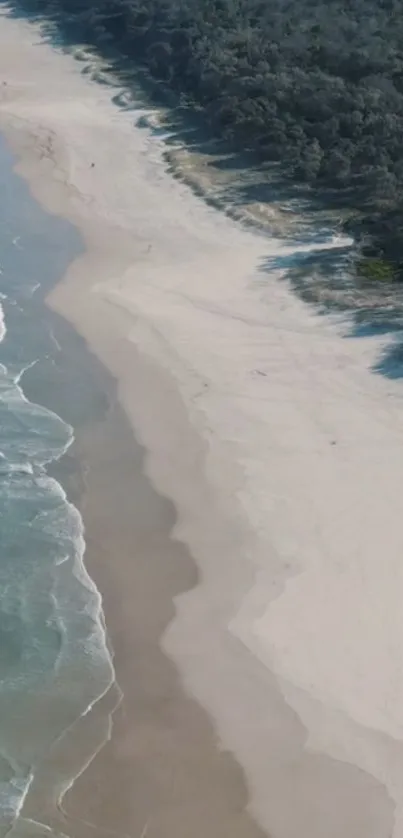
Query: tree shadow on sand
x: 324, y: 278
x: 235, y: 182
x: 239, y: 179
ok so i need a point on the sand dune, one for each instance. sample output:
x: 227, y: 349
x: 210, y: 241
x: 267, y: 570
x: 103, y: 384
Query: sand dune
x: 281, y: 450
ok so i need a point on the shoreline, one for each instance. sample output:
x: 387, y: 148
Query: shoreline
x: 190, y: 783
x: 283, y: 698
x: 44, y: 708
x: 211, y: 793
x: 163, y: 770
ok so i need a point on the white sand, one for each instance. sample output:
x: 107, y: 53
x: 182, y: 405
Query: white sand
x: 282, y: 451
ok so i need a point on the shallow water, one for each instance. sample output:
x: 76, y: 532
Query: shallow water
x: 54, y: 662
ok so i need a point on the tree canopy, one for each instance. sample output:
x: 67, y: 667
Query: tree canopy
x: 317, y: 86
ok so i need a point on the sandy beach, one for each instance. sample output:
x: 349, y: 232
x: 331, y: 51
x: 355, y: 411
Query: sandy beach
x: 252, y: 585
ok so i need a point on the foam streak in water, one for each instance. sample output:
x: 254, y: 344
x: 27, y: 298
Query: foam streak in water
x: 54, y: 659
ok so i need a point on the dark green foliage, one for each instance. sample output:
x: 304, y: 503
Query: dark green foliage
x: 375, y: 269
x: 316, y: 85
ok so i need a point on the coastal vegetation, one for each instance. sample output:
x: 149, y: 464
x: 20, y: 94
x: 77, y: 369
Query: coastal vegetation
x: 314, y: 86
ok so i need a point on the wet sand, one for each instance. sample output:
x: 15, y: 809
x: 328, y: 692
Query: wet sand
x: 236, y: 393
x: 164, y: 771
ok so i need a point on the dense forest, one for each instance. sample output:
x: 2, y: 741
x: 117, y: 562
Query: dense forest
x: 315, y: 85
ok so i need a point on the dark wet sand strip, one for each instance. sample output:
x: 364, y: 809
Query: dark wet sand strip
x: 163, y: 772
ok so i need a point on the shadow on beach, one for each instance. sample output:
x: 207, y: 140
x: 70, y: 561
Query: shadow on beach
x: 259, y: 196
x: 324, y: 278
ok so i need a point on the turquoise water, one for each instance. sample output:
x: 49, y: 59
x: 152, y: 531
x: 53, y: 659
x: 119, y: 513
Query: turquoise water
x: 54, y: 662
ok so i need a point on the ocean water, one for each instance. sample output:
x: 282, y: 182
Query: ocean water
x: 54, y: 661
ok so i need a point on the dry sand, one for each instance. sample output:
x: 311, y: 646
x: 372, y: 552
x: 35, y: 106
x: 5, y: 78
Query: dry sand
x: 280, y: 450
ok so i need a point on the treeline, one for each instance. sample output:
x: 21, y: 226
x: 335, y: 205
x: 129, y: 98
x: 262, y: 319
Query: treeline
x: 315, y: 85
